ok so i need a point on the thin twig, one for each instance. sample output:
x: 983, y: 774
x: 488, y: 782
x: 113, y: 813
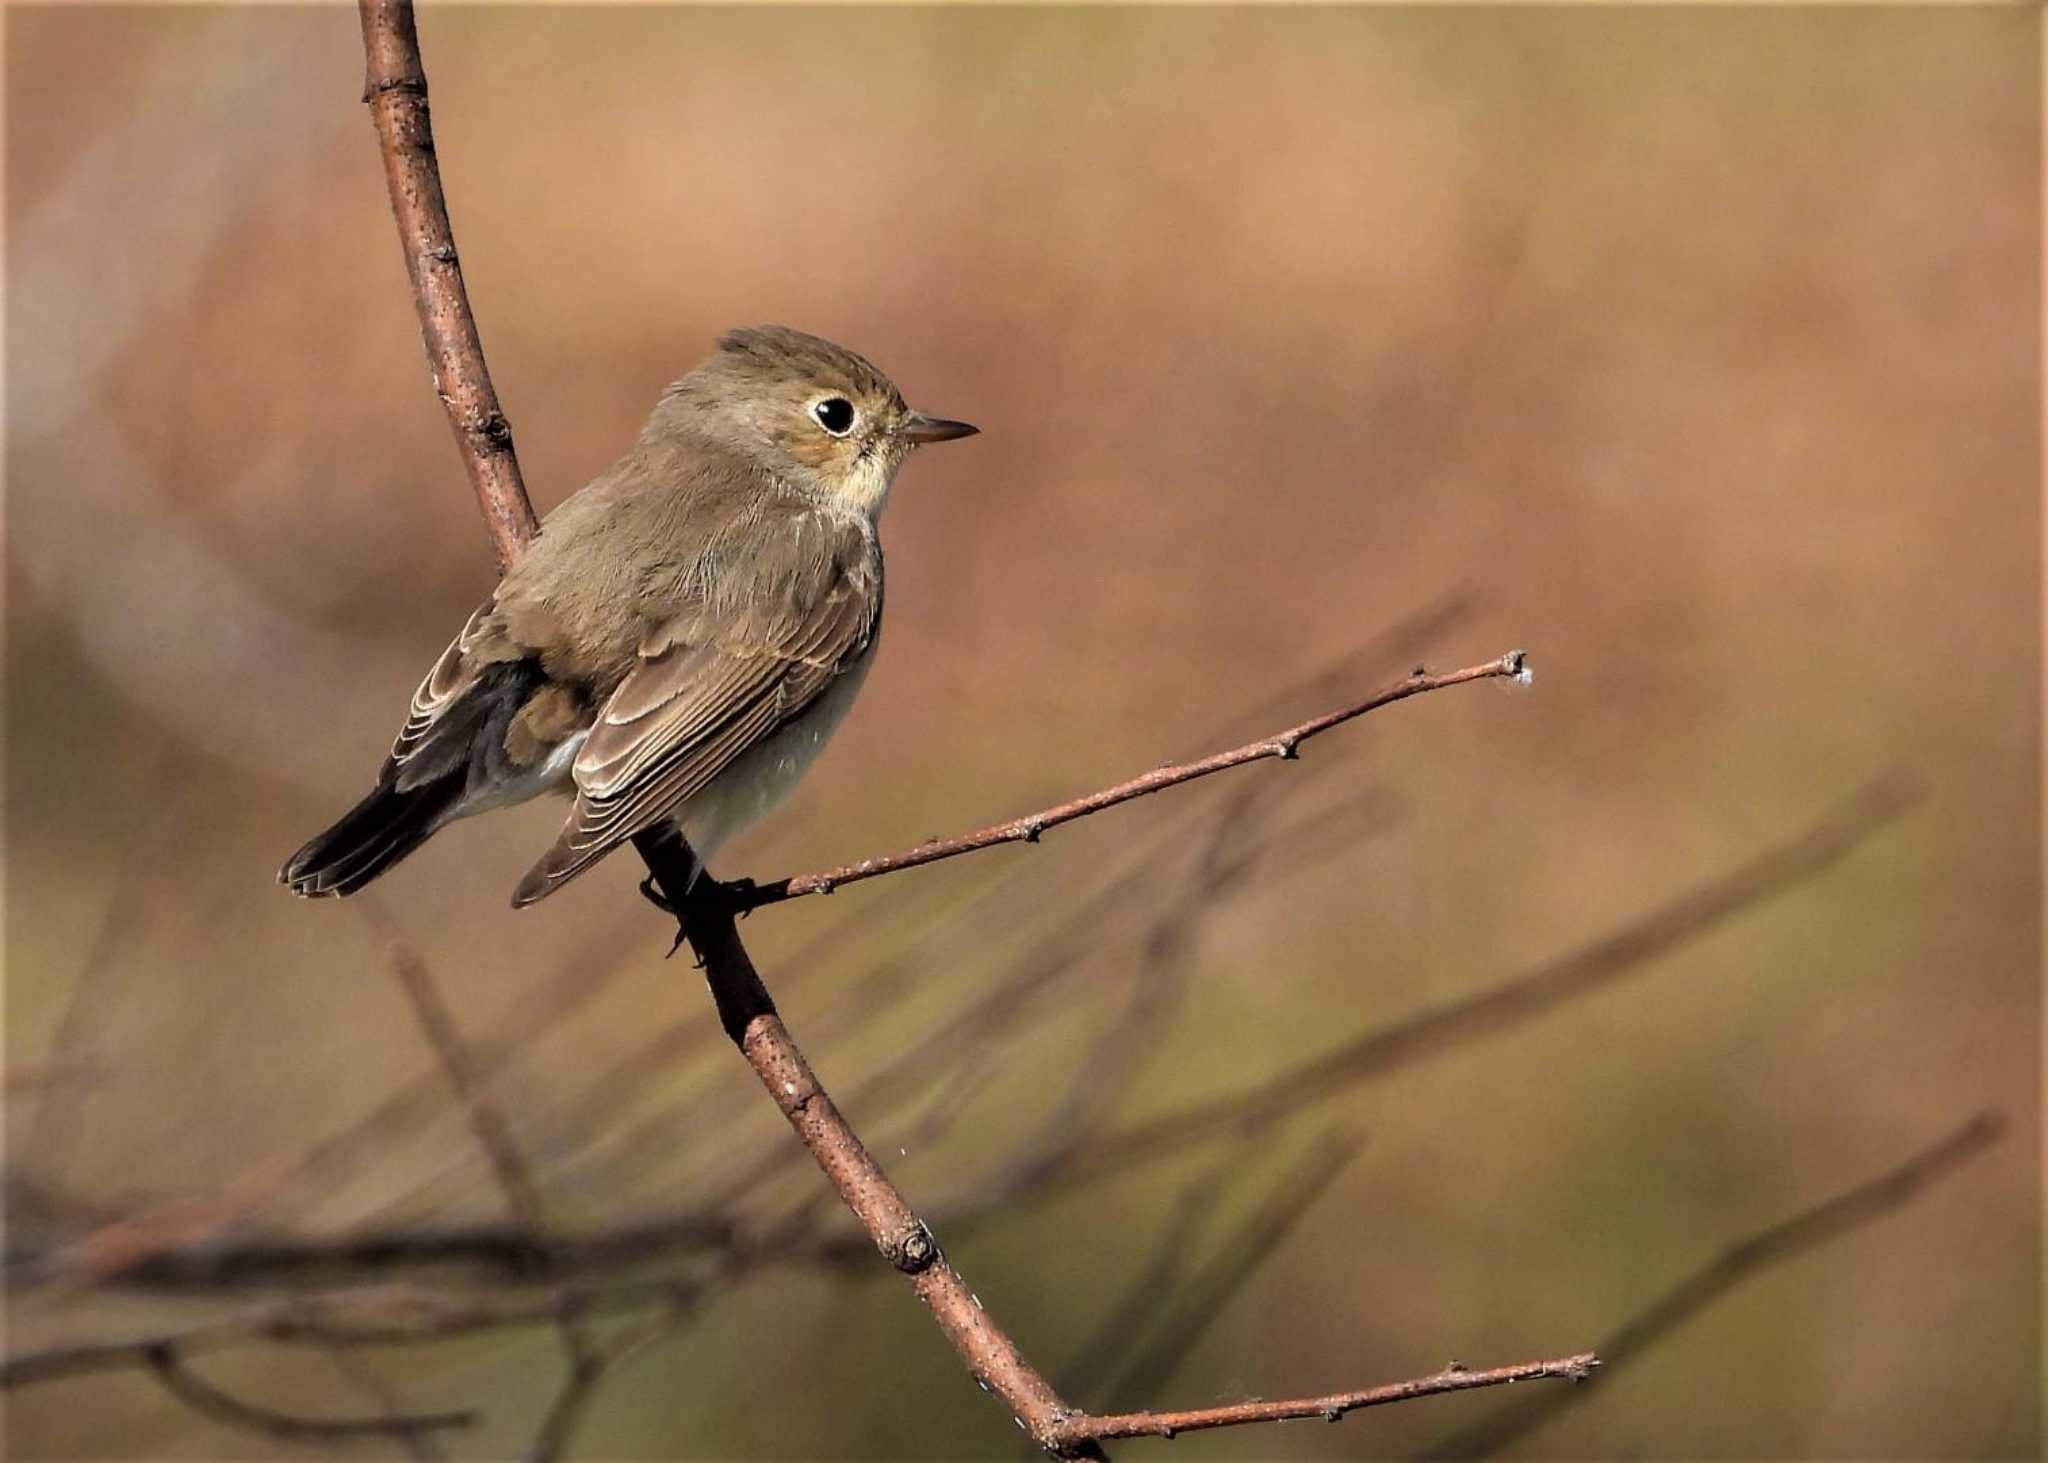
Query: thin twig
x: 1284, y: 745
x: 1330, y: 1408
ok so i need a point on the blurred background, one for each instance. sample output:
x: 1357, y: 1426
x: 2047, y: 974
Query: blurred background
x: 1696, y: 352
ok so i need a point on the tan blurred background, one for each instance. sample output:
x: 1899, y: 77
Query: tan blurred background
x: 1694, y: 351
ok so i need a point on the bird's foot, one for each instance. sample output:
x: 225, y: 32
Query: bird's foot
x: 738, y: 895
x: 651, y: 892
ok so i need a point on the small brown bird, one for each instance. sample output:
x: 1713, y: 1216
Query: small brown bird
x: 679, y: 640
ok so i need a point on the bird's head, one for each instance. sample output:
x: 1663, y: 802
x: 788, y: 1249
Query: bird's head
x: 814, y: 411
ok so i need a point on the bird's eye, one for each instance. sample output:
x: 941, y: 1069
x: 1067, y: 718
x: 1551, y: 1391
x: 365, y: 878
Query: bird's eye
x: 835, y: 415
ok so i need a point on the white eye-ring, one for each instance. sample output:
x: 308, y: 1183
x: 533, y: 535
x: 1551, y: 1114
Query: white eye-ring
x: 835, y: 414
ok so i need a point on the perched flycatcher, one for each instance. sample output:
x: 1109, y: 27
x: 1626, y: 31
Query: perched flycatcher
x: 679, y: 640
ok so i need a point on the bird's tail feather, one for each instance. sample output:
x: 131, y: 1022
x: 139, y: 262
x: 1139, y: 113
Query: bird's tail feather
x: 372, y: 836
x: 460, y: 752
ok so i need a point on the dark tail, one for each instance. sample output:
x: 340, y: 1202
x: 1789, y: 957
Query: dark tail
x: 372, y: 836
x: 463, y: 750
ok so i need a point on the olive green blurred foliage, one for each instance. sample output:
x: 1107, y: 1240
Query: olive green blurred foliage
x: 1696, y: 351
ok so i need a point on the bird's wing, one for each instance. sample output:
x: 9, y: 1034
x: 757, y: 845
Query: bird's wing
x: 416, y: 756
x: 712, y: 682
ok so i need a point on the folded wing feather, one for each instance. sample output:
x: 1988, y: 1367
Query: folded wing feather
x: 712, y: 683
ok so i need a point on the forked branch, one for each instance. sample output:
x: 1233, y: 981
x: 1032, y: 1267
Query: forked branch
x: 396, y: 90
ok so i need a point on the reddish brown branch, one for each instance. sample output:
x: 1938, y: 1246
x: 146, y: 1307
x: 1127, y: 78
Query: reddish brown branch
x: 395, y: 87
x: 750, y: 1018
x: 1284, y: 745
x: 1452, y: 1378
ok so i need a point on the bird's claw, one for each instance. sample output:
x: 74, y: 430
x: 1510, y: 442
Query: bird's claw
x: 653, y: 895
x: 735, y: 894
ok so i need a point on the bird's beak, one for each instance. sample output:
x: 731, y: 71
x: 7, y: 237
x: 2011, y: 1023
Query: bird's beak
x: 917, y: 427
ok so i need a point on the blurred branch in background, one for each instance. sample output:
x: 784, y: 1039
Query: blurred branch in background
x: 1524, y: 997
x: 59, y: 1101
x: 1789, y: 1239
x: 485, y: 1271
x: 585, y: 1360
x: 1142, y: 1343
x: 1094, y: 980
x: 354, y: 1315
x: 168, y: 1366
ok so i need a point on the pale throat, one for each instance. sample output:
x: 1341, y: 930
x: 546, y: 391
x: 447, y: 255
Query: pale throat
x: 866, y: 486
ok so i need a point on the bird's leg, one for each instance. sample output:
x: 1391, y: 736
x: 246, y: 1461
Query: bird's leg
x: 652, y: 893
x: 671, y: 870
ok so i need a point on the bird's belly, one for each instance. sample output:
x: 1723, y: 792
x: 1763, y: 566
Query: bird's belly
x: 763, y: 775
